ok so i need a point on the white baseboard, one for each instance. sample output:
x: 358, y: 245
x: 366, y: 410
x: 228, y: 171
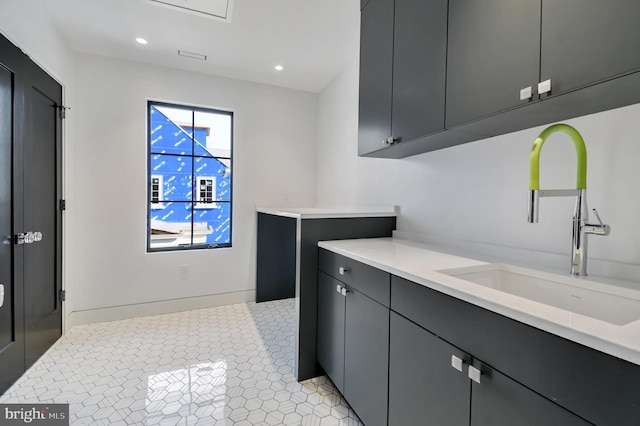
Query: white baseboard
x: 114, y: 313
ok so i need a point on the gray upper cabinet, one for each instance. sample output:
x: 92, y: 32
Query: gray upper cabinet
x: 586, y: 44
x: 376, y: 62
x: 402, y: 84
x: 493, y: 53
x: 506, y: 65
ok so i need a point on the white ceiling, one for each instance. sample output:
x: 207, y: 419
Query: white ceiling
x: 313, y: 39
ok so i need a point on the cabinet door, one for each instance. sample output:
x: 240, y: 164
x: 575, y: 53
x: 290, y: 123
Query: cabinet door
x: 366, y: 363
x: 376, y: 57
x: 493, y: 53
x: 499, y: 401
x: 331, y: 314
x: 419, y: 68
x: 585, y: 44
x: 424, y: 388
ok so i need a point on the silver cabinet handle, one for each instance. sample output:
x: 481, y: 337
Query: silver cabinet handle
x: 1, y: 294
x: 343, y: 270
x: 456, y: 363
x: 344, y: 291
x: 339, y: 288
x: 474, y: 374
x: 544, y: 86
x: 526, y: 93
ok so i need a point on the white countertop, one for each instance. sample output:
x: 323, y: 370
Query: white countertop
x: 415, y: 262
x: 329, y: 212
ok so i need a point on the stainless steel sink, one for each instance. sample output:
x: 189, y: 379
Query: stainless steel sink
x: 588, y: 298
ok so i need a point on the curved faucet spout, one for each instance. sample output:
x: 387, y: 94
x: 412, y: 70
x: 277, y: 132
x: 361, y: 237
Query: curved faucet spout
x: 581, y: 151
x: 581, y: 228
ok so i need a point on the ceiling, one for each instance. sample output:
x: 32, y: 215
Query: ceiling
x: 312, y: 39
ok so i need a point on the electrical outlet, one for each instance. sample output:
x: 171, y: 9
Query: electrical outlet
x: 184, y: 272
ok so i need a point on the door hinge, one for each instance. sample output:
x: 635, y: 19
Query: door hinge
x: 63, y: 205
x: 62, y: 111
x: 62, y: 295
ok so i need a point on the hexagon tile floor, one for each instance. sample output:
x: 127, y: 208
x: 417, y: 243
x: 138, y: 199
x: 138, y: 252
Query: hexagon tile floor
x: 230, y: 365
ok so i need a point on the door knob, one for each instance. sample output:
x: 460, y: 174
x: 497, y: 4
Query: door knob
x: 28, y: 237
x: 1, y: 295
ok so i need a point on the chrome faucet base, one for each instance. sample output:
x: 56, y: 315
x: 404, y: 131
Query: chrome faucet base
x: 580, y: 226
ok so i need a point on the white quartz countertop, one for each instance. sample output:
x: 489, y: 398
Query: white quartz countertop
x: 329, y: 212
x: 420, y: 264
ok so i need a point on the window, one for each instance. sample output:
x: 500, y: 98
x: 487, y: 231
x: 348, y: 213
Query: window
x: 205, y: 192
x: 189, y: 177
x: 156, y: 192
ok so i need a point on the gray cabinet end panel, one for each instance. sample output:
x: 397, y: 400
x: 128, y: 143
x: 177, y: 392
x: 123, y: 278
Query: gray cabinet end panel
x: 312, y: 231
x: 276, y: 258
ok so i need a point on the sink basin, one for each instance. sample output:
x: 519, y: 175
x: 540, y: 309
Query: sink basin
x: 588, y: 298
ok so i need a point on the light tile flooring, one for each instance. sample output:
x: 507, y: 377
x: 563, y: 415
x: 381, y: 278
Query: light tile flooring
x: 230, y: 365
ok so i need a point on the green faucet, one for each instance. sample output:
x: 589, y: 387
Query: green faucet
x: 580, y: 214
x: 581, y: 150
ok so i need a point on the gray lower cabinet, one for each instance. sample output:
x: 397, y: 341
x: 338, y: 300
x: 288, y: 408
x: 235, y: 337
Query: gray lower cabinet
x: 366, y: 358
x: 429, y: 384
x: 331, y: 320
x: 353, y: 333
x: 423, y: 387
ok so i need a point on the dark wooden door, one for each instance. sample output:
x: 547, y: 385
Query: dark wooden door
x: 424, y: 387
x: 493, y: 53
x: 331, y: 314
x: 42, y: 188
x: 586, y: 44
x: 30, y: 186
x: 11, y: 309
x: 366, y: 358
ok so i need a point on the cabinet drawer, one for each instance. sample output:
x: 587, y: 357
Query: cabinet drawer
x: 364, y: 278
x: 598, y: 387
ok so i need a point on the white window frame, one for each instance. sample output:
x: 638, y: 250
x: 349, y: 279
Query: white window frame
x: 201, y: 202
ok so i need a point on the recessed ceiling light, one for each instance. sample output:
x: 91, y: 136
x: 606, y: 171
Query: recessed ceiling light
x: 141, y: 40
x: 279, y: 67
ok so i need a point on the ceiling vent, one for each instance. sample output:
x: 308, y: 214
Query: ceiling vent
x: 216, y: 9
x: 192, y: 55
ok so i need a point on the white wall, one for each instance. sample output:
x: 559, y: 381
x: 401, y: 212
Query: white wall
x: 478, y: 191
x: 274, y: 163
x: 26, y: 24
